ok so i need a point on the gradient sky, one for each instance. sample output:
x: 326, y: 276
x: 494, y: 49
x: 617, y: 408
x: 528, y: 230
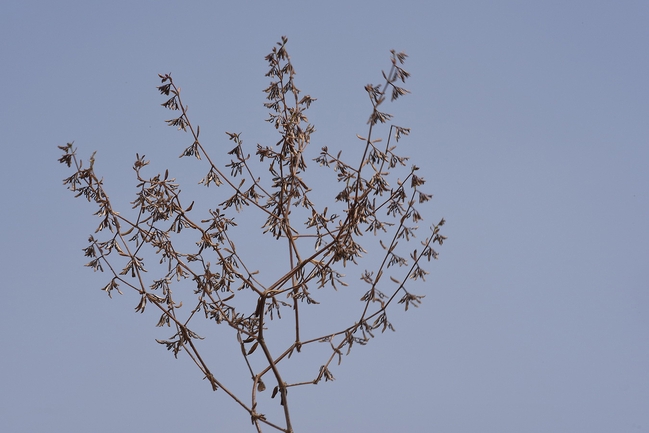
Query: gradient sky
x: 530, y: 121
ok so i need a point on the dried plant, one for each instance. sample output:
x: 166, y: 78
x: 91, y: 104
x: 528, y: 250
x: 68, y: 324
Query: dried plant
x: 214, y: 281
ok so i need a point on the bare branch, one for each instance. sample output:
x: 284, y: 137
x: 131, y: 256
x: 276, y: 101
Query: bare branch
x: 375, y: 195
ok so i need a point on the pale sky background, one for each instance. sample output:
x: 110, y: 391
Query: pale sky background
x: 530, y: 121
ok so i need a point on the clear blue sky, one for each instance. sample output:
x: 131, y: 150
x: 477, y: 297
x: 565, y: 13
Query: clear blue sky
x: 531, y: 123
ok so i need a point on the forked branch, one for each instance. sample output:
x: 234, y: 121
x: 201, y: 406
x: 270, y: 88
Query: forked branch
x: 376, y: 195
